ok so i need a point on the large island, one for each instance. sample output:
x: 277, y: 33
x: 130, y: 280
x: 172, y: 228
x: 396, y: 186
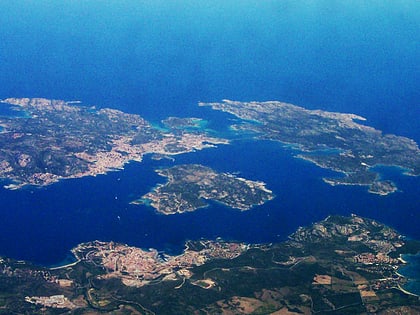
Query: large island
x: 190, y: 185
x: 341, y: 265
x: 56, y: 140
x: 331, y: 140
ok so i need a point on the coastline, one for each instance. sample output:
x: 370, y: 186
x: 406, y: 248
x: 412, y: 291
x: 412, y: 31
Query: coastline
x: 407, y: 292
x: 406, y: 263
x: 66, y: 265
x: 401, y: 258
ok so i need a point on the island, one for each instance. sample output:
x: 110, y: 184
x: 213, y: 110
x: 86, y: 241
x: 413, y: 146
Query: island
x: 331, y: 140
x: 53, y: 139
x: 341, y: 265
x: 190, y: 185
x: 56, y: 140
x: 183, y: 123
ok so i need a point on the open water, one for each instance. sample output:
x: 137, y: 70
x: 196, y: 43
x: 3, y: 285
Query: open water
x: 159, y: 58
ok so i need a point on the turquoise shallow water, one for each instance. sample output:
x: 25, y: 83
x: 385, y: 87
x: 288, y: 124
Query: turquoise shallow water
x: 412, y: 272
x: 43, y: 224
x: 10, y: 111
x: 159, y: 59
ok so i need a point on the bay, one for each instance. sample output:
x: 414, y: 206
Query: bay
x: 159, y: 59
x: 41, y: 225
x: 412, y: 272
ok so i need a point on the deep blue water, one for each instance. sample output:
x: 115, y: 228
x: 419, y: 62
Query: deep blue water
x: 7, y: 110
x: 57, y: 217
x: 159, y: 58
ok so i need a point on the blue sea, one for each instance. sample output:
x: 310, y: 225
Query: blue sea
x: 160, y: 58
x: 411, y: 271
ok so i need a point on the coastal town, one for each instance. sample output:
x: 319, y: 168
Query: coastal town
x: 60, y: 140
x: 137, y: 267
x: 345, y: 264
x: 348, y: 265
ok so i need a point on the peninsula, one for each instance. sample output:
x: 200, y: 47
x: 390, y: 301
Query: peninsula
x: 341, y: 265
x: 331, y: 140
x: 190, y: 185
x: 56, y: 140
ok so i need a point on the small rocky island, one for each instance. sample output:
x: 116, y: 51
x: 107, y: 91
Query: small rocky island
x: 56, y: 140
x: 190, y: 185
x: 183, y: 123
x: 331, y: 140
x: 341, y: 265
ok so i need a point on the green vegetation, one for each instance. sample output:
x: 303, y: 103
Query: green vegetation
x: 189, y: 186
x: 58, y: 140
x: 325, y: 268
x: 330, y: 140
